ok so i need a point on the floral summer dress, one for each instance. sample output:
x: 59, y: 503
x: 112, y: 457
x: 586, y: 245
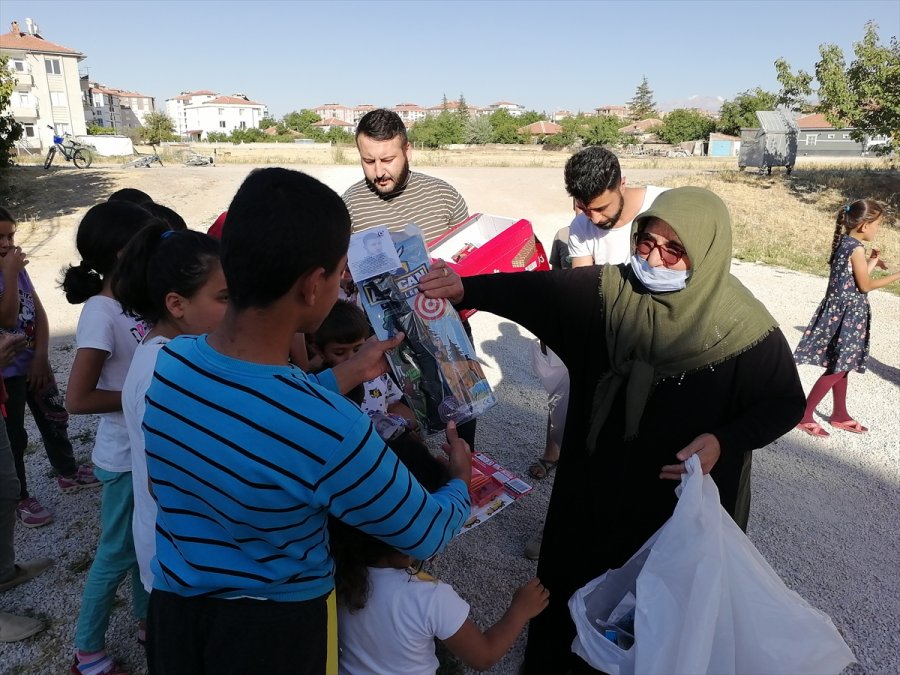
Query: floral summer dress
x: 837, y: 337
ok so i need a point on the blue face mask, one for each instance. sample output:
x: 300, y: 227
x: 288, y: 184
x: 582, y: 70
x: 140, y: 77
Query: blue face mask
x: 658, y: 279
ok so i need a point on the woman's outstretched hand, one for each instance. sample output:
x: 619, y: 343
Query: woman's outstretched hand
x: 705, y: 446
x: 442, y: 282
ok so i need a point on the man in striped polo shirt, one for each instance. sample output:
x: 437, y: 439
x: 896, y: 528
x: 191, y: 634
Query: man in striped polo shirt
x: 393, y: 196
x: 248, y: 455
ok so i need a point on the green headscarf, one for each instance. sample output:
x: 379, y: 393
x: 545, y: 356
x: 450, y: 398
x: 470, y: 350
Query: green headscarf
x: 651, y: 336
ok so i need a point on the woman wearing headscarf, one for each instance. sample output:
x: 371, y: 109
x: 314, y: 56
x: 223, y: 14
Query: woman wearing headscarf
x: 669, y: 356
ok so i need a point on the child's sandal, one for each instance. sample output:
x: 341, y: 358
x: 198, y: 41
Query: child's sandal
x: 102, y: 666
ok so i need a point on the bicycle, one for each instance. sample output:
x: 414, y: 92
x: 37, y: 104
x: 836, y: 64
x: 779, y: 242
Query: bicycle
x: 72, y: 150
x: 142, y: 161
x: 192, y: 158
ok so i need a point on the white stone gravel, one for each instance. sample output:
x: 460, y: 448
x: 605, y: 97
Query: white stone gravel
x: 825, y: 511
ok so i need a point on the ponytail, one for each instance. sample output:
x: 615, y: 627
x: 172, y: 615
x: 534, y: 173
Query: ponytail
x: 851, y: 216
x: 103, y: 232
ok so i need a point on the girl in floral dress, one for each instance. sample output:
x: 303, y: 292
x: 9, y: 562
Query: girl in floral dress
x: 837, y: 337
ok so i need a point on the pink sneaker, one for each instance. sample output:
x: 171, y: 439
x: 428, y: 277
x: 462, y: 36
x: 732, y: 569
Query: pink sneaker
x: 83, y: 478
x: 32, y: 514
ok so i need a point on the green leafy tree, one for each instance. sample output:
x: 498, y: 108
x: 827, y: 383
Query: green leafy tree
x: 461, y: 108
x: 531, y: 116
x: 300, y: 121
x: 741, y: 112
x: 685, y: 125
x: 158, y: 128
x: 864, y: 96
x: 338, y: 135
x: 437, y: 130
x: 642, y: 105
x: 267, y: 122
x: 10, y: 129
x: 251, y: 135
x: 216, y: 137
x: 601, y: 130
x: 478, y: 130
x: 795, y: 89
x: 506, y: 127
x: 97, y: 130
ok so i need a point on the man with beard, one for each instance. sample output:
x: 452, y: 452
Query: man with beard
x: 601, y: 232
x: 391, y: 194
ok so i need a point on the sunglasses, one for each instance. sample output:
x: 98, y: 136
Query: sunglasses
x: 670, y: 253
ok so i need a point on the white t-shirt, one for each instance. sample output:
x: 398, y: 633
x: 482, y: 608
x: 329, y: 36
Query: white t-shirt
x: 606, y: 247
x: 394, y: 633
x: 102, y: 325
x: 379, y: 393
x: 143, y: 523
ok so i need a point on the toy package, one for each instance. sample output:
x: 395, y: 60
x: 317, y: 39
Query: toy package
x: 435, y: 365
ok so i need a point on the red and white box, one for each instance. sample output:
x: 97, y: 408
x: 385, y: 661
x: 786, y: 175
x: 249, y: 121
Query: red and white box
x: 486, y: 244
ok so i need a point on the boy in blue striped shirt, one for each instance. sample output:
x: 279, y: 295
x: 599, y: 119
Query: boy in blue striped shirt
x: 248, y: 455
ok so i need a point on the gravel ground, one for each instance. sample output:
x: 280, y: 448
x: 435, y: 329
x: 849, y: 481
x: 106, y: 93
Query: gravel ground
x: 824, y: 510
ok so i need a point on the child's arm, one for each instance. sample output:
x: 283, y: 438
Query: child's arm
x: 482, y: 650
x: 10, y: 265
x: 861, y: 271
x: 82, y: 395
x: 39, y: 372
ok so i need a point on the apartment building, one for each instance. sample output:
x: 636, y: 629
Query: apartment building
x: 514, y: 109
x: 175, y: 107
x: 114, y: 108
x: 47, y: 90
x: 222, y: 114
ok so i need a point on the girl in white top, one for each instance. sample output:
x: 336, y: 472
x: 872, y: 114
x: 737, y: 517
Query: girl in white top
x: 106, y: 339
x: 174, y: 281
x: 390, y: 613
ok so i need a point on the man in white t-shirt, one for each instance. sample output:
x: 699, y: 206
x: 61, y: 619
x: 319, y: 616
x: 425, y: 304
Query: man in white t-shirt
x: 601, y: 232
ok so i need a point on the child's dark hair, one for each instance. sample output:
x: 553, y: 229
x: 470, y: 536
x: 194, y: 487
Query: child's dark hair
x: 158, y: 261
x: 6, y: 216
x: 354, y: 550
x: 345, y: 323
x: 103, y: 232
x: 851, y: 216
x: 282, y: 224
x: 164, y: 213
x: 132, y: 195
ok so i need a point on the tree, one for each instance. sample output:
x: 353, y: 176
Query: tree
x: 478, y: 130
x: 338, y: 135
x: 685, y: 125
x: 642, y: 105
x: 601, y: 130
x: 462, y: 109
x: 267, y: 122
x: 506, y: 127
x: 216, y: 137
x: 438, y: 130
x: 97, y: 130
x: 158, y: 127
x: 300, y: 120
x: 10, y: 130
x: 741, y: 112
x: 864, y: 96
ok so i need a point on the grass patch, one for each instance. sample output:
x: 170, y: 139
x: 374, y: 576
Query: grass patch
x: 788, y: 221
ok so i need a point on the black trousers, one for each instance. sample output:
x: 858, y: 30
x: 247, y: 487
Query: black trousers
x: 211, y: 636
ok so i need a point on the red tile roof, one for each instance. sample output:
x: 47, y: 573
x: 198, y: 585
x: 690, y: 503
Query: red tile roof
x: 332, y: 106
x: 229, y: 100
x: 815, y: 121
x: 33, y: 43
x: 332, y: 122
x: 641, y: 127
x: 540, y: 128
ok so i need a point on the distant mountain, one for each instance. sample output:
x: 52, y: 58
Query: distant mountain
x: 710, y: 103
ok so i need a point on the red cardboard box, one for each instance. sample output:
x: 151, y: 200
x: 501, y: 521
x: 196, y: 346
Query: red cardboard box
x: 486, y: 244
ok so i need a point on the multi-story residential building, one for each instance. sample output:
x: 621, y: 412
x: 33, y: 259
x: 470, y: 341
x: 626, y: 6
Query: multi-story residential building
x: 175, y: 107
x: 560, y: 115
x: 115, y: 108
x: 330, y: 123
x: 360, y: 110
x: 410, y: 113
x: 47, y: 90
x: 623, y: 112
x: 514, y: 109
x: 336, y: 111
x: 222, y: 114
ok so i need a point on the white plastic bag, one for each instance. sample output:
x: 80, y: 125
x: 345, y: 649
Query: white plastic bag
x: 554, y: 375
x: 707, y: 602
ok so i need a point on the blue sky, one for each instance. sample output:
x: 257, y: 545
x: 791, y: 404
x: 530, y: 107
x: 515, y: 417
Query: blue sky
x: 544, y: 55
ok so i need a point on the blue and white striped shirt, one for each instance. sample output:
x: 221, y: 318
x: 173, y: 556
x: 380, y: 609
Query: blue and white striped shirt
x: 246, y: 461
